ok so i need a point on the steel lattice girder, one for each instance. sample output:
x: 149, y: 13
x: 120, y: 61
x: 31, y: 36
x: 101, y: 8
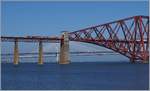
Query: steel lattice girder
x: 129, y: 36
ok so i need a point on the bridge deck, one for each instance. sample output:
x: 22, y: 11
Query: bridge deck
x: 30, y: 39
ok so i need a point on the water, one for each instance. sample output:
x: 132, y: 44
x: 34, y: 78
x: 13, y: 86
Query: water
x: 78, y: 75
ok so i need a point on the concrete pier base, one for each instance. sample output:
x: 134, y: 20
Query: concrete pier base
x: 146, y: 60
x: 132, y: 60
x: 16, y: 53
x: 40, y: 60
x: 64, y: 49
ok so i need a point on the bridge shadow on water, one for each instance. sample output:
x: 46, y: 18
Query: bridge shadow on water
x: 75, y: 76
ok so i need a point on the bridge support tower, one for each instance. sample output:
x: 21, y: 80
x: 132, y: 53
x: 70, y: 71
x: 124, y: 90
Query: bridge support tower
x: 40, y: 60
x: 146, y: 59
x: 16, y: 53
x: 132, y: 60
x: 64, y: 49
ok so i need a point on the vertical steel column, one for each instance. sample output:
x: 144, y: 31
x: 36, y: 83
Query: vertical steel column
x: 134, y: 49
x: 143, y: 54
x: 40, y: 61
x: 16, y: 53
x: 64, y: 49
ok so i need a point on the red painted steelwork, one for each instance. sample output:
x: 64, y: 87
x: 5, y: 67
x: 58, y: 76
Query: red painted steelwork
x: 129, y: 37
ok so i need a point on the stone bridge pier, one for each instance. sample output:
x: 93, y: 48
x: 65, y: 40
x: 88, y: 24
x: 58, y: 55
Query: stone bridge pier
x: 64, y: 49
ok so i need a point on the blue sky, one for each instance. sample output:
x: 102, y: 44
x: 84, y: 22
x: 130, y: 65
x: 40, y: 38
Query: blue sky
x: 50, y: 18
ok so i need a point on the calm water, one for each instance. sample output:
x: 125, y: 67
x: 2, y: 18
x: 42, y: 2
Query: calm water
x: 77, y: 75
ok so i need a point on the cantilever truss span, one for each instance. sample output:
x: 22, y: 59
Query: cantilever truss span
x: 129, y: 37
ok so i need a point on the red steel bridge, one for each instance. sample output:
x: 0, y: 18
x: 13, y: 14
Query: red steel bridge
x: 129, y: 37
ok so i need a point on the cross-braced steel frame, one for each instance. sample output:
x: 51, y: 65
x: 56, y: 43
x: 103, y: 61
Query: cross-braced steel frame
x: 129, y: 37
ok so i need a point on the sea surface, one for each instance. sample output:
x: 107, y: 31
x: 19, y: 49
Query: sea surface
x: 88, y: 73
